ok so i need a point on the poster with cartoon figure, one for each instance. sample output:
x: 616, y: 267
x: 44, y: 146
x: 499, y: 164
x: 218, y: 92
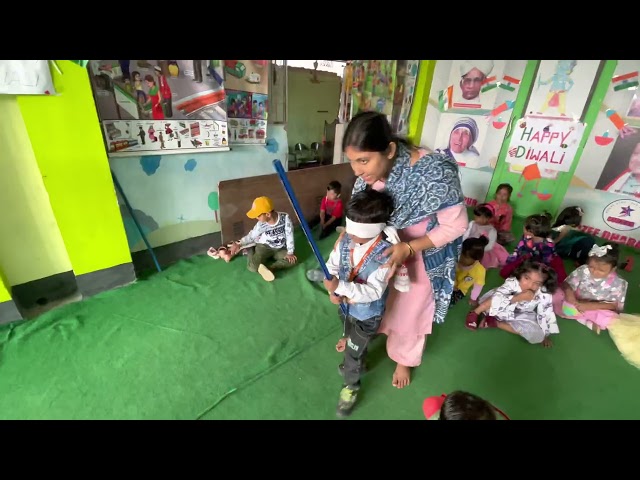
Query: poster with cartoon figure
x: 238, y: 104
x: 259, y: 106
x: 561, y: 88
x: 133, y: 138
x: 139, y: 92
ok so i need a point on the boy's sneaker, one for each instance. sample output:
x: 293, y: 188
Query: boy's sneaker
x: 266, y: 273
x: 346, y: 402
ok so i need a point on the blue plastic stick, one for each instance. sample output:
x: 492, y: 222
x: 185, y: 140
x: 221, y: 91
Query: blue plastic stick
x: 303, y: 223
x: 135, y: 220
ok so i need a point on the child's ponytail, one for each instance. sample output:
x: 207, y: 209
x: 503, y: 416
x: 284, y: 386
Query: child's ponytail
x: 551, y: 279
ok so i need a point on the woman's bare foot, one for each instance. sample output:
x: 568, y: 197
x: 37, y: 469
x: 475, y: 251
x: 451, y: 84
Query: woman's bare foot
x: 341, y: 345
x: 401, y: 377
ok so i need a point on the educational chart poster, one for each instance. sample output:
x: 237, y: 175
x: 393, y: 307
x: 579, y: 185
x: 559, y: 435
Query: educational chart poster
x: 25, y: 77
x: 160, y: 106
x: 246, y: 84
x: 407, y: 74
x: 373, y: 86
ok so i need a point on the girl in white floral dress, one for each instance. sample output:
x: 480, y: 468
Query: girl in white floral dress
x: 522, y: 305
x: 593, y: 294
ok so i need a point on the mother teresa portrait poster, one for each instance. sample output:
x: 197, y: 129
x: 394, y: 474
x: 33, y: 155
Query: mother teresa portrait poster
x: 462, y: 137
x: 475, y: 83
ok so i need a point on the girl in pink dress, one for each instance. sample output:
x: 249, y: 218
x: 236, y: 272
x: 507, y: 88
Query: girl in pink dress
x: 503, y: 213
x: 495, y: 255
x: 430, y: 217
x: 593, y: 294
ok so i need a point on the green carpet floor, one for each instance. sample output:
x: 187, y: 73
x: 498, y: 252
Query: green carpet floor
x: 210, y: 340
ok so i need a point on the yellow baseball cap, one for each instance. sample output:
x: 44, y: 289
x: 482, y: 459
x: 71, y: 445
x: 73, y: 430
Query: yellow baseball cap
x: 260, y: 205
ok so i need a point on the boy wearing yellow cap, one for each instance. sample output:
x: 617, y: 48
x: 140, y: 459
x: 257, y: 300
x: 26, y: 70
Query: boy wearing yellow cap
x: 273, y: 236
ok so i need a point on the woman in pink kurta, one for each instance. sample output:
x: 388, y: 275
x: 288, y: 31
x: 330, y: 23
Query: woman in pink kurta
x: 430, y: 217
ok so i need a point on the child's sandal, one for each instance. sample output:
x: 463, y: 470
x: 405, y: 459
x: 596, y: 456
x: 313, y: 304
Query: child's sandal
x: 472, y: 321
x: 488, y: 322
x: 213, y: 253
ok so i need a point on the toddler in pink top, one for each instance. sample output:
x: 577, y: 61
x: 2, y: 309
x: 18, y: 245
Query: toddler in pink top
x: 503, y: 213
x: 495, y: 254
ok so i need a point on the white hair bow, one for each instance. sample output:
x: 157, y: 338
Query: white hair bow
x: 597, y: 251
x: 580, y: 211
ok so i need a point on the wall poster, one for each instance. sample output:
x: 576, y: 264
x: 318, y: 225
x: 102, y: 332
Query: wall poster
x: 25, y: 77
x: 247, y: 84
x: 550, y: 144
x: 160, y: 106
x: 373, y: 86
x: 406, y: 77
x: 606, y: 181
x: 474, y: 85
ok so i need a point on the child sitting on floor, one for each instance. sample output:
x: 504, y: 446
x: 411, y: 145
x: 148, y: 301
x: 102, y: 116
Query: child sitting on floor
x: 331, y: 208
x: 570, y: 242
x: 503, y: 213
x: 495, y: 254
x: 360, y: 283
x: 469, y: 271
x: 593, y: 294
x: 522, y: 305
x: 536, y: 244
x: 273, y: 239
x: 460, y: 405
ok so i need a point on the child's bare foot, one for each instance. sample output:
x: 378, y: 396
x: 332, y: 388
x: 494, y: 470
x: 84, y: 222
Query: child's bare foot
x: 593, y: 326
x: 401, y: 377
x: 341, y: 345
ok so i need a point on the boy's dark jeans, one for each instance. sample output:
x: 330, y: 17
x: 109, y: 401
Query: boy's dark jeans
x: 359, y: 334
x: 328, y: 229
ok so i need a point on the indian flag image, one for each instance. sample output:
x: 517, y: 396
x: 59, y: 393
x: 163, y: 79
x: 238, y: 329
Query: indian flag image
x: 508, y: 83
x: 489, y: 84
x: 624, y: 82
x: 445, y: 98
